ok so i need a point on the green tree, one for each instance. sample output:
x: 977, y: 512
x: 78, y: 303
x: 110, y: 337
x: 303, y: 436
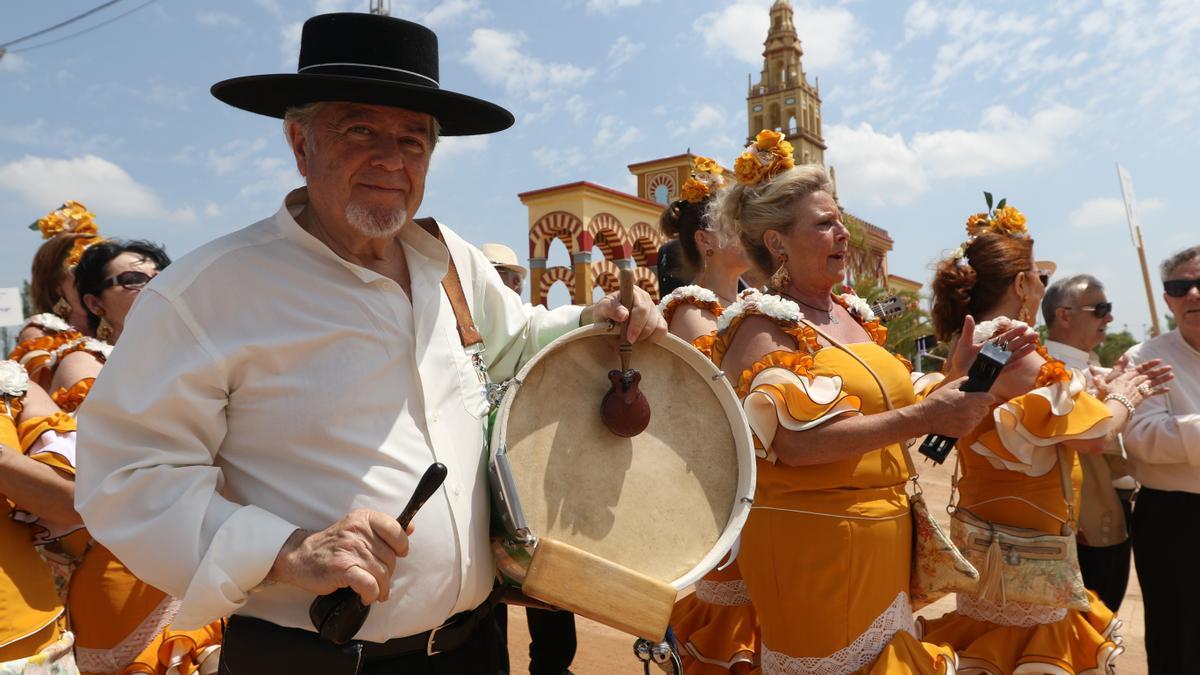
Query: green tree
x: 905, y: 329
x: 1114, y: 345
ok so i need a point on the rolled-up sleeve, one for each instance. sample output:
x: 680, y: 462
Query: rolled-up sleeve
x: 147, y: 486
x: 1156, y: 436
x: 513, y: 330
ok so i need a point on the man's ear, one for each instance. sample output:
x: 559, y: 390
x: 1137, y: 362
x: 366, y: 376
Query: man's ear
x: 299, y: 145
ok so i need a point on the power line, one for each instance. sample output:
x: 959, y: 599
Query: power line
x: 60, y: 24
x: 85, y: 30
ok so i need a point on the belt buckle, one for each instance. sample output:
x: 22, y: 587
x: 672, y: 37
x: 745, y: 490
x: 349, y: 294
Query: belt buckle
x: 429, y: 650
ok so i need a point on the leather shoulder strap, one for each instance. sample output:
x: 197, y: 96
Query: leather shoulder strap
x: 468, y: 334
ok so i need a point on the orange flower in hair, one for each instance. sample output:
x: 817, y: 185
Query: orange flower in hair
x: 707, y: 176
x: 71, y: 217
x: 763, y: 159
x: 1009, y: 221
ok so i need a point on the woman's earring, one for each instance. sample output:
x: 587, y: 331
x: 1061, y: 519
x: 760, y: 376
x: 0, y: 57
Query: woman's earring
x: 781, y: 279
x: 105, y: 331
x: 62, y: 309
x: 708, y: 253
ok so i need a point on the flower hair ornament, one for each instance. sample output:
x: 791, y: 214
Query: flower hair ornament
x: 707, y: 177
x: 768, y: 156
x: 70, y: 218
x: 1002, y: 219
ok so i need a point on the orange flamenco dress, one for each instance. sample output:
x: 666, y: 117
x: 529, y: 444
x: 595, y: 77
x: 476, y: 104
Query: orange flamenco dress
x: 121, y: 624
x: 33, y: 635
x: 826, y: 551
x: 1011, y: 476
x: 715, y: 626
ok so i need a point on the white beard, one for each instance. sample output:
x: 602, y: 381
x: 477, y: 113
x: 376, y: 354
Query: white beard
x: 376, y: 223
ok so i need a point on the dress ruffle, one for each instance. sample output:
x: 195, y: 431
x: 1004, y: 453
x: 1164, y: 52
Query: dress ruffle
x: 717, y: 627
x: 1081, y: 643
x: 1027, y: 429
x: 697, y: 296
x: 780, y: 389
x: 37, y: 353
x: 70, y: 398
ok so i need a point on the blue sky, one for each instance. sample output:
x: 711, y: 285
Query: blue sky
x: 926, y: 104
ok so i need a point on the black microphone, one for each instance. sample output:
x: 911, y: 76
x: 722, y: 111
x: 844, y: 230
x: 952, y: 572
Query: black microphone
x: 980, y: 377
x: 338, y: 615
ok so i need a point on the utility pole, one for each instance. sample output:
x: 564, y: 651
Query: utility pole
x: 1135, y: 232
x: 381, y: 7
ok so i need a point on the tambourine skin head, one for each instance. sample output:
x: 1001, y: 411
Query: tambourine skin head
x: 666, y: 502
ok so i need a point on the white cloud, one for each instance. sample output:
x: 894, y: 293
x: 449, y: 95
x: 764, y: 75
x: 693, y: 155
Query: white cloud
x: 1005, y: 141
x: 211, y: 210
x: 610, y: 6
x: 873, y: 166
x: 217, y: 19
x: 289, y: 42
x: 827, y: 34
x: 272, y: 6
x: 1107, y: 211
x: 104, y: 186
x: 458, y: 146
x: 887, y: 169
x: 497, y: 58
x: 13, y: 63
x: 559, y: 160
x: 622, y: 51
x: 454, y: 10
x: 706, y: 116
x: 578, y: 107
x: 614, y: 133
x: 333, y: 6
x: 234, y: 155
x: 921, y: 19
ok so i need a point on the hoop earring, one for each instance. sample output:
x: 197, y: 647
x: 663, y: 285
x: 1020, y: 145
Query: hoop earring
x: 62, y: 309
x: 780, y: 279
x: 105, y: 331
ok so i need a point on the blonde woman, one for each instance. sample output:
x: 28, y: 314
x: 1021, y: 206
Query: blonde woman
x: 826, y: 551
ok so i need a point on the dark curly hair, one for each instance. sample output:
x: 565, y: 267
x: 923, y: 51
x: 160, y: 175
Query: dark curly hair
x: 681, y: 220
x: 93, y: 266
x: 994, y: 260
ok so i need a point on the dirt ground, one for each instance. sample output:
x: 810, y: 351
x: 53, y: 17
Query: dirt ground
x: 605, y: 651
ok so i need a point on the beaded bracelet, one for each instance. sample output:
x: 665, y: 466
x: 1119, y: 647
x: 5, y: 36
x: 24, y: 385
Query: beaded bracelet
x: 1123, y: 400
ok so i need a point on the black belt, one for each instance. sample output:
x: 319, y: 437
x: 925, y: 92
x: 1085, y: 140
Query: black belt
x: 256, y: 646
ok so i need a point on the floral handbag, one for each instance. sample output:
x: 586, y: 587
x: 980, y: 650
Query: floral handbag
x: 1020, y: 564
x: 938, y: 568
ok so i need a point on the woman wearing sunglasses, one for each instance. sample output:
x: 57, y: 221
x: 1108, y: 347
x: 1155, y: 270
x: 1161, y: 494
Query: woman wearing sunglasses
x: 1019, y: 466
x: 120, y: 623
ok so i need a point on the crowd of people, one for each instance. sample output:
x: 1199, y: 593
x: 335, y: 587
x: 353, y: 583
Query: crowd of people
x: 183, y: 474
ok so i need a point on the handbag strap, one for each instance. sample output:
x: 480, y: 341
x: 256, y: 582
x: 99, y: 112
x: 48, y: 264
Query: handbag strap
x: 468, y: 334
x: 887, y: 399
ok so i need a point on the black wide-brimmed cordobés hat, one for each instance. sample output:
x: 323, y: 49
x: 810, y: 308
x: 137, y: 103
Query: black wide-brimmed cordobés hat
x: 365, y: 58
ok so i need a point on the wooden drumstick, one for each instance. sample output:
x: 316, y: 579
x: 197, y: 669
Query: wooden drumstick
x: 626, y: 296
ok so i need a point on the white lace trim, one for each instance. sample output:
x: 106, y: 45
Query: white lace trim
x: 1021, y: 614
x: 92, y: 345
x: 724, y: 593
x: 986, y: 329
x: 862, y: 652
x: 111, y: 660
x: 753, y: 299
x: 47, y: 321
x: 693, y: 292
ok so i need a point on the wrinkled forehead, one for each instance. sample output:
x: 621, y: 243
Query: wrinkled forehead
x: 343, y: 112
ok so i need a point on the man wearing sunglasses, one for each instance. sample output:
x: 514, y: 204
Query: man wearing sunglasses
x: 1077, y: 313
x: 1163, y: 440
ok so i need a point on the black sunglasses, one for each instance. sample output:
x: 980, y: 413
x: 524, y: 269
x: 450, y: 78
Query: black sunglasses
x: 1099, y: 310
x: 1177, y: 288
x: 1044, y: 278
x: 131, y: 280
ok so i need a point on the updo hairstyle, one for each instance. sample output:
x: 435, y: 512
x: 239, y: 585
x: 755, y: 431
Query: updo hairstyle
x: 746, y: 212
x: 992, y: 261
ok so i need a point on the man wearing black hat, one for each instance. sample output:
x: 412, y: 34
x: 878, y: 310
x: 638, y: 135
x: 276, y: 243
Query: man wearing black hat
x: 279, y: 392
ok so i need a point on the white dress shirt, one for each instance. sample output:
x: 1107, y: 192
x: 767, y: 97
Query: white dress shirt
x: 264, y: 384
x: 1163, y: 439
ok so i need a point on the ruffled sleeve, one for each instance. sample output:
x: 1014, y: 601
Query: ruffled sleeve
x: 697, y: 296
x: 51, y: 441
x: 70, y: 398
x: 1027, y: 428
x: 38, y: 353
x: 780, y: 390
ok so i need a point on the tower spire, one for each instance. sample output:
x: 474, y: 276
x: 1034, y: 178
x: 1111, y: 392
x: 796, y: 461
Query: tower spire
x: 783, y: 99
